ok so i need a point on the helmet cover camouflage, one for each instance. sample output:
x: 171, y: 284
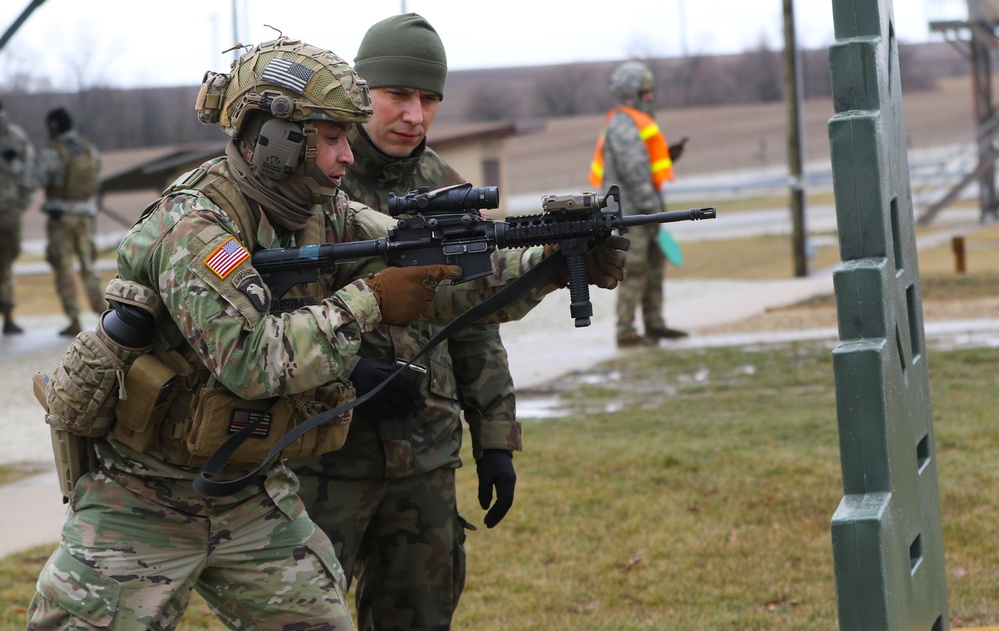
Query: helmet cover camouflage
x: 287, y: 79
x: 630, y: 80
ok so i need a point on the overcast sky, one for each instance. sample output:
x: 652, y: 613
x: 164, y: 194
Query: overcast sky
x: 129, y: 43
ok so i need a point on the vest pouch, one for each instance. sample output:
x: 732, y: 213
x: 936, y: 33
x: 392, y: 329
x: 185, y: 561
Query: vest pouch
x: 84, y: 388
x: 331, y: 435
x: 74, y: 455
x: 151, y: 386
x: 220, y: 414
x: 74, y: 458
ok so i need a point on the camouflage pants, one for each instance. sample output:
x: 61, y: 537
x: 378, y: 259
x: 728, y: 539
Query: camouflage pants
x: 643, y: 285
x: 10, y: 247
x: 72, y: 236
x: 404, y: 541
x: 127, y: 561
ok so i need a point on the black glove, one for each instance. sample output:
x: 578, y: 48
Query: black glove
x: 676, y: 149
x: 495, y: 469
x: 397, y: 401
x: 9, y: 154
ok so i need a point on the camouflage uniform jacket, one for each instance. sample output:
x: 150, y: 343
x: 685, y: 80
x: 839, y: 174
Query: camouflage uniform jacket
x: 469, y: 371
x: 16, y: 183
x: 223, y: 323
x: 50, y: 171
x: 627, y: 164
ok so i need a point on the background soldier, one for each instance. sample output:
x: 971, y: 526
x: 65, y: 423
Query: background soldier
x: 16, y: 189
x: 387, y: 499
x: 632, y: 152
x: 68, y: 170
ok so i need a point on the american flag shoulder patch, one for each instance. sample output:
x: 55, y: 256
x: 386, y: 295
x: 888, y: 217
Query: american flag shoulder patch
x: 226, y: 257
x: 288, y: 74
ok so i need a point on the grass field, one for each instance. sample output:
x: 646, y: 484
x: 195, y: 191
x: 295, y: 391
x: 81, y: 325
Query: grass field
x: 693, y: 490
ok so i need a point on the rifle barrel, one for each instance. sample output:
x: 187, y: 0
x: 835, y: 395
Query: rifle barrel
x: 669, y: 216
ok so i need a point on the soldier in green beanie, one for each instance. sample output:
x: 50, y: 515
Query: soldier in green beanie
x: 387, y: 499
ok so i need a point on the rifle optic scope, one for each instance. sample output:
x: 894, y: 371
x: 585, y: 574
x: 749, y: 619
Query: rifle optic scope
x: 451, y: 199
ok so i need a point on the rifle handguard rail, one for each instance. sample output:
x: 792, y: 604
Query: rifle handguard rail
x: 455, y: 233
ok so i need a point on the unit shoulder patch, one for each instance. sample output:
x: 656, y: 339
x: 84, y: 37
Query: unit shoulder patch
x: 249, y: 283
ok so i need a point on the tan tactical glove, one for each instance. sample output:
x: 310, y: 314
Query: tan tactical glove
x: 405, y: 293
x: 604, y: 265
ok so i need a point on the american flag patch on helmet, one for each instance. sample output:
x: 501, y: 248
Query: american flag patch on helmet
x: 288, y: 74
x: 226, y: 257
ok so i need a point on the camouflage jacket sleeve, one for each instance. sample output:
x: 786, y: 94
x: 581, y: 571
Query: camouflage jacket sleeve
x: 485, y: 388
x: 47, y: 169
x: 186, y: 250
x: 625, y: 147
x: 481, y: 365
x: 17, y: 184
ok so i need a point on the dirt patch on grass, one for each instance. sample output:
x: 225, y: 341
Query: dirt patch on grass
x: 945, y: 297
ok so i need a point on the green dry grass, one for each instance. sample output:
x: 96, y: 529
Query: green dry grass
x: 703, y: 500
x: 694, y: 490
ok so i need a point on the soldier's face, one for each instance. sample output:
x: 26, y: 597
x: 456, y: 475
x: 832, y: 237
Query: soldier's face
x: 401, y: 119
x: 333, y: 154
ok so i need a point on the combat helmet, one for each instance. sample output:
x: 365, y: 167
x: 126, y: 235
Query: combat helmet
x: 630, y: 80
x: 272, y: 96
x: 286, y: 79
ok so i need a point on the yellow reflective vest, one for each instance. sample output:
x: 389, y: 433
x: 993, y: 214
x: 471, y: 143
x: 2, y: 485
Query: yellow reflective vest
x: 655, y: 143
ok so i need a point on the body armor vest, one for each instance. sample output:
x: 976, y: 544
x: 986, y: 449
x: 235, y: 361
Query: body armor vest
x: 182, y: 413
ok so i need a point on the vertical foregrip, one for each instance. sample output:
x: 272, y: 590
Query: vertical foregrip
x: 579, y: 290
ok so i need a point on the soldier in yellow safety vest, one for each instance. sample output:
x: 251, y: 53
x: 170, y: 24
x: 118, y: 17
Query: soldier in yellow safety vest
x: 633, y: 153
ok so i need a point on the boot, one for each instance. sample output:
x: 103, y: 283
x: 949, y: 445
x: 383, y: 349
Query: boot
x: 665, y: 333
x: 634, y: 339
x: 9, y: 327
x: 73, y: 329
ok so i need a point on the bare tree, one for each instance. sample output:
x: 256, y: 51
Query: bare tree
x: 84, y: 69
x: 566, y: 91
x: 489, y: 102
x: 914, y: 77
x: 129, y: 118
x: 815, y: 77
x: 757, y: 75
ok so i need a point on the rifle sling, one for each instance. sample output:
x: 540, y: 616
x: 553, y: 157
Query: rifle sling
x: 206, y: 485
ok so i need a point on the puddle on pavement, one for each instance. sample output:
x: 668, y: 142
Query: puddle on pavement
x: 540, y: 407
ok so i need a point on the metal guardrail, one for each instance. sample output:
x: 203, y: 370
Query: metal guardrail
x: 932, y: 173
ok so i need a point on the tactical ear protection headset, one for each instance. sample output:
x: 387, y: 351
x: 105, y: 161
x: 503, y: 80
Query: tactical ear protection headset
x: 279, y: 147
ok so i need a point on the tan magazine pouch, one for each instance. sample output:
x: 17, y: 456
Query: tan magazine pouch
x: 151, y: 387
x: 219, y: 414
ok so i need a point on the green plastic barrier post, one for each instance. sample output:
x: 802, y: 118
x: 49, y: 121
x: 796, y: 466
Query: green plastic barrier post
x: 886, y: 533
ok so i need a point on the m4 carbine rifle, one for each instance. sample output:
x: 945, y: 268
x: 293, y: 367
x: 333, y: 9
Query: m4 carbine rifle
x: 445, y: 226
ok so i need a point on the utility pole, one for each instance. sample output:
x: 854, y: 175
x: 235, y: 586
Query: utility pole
x: 681, y: 12
x: 235, y: 29
x: 792, y: 101
x: 9, y: 33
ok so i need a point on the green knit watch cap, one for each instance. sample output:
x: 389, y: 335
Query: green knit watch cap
x: 402, y: 51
